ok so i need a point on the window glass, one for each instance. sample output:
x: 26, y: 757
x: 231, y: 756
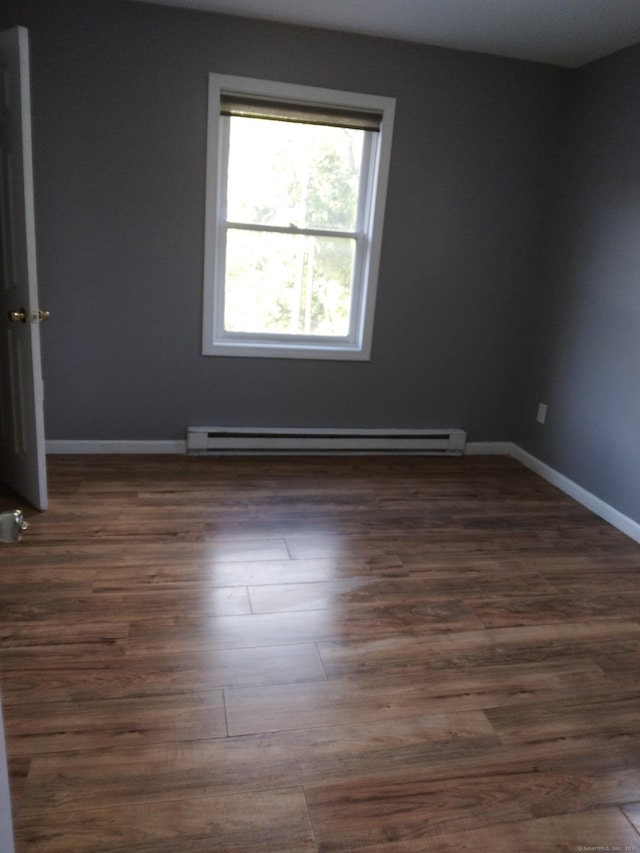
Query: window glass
x: 288, y: 284
x: 285, y: 173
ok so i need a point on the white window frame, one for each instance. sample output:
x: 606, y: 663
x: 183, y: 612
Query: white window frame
x: 357, y: 344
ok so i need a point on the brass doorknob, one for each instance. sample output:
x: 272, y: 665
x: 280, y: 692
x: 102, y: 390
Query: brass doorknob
x: 21, y: 316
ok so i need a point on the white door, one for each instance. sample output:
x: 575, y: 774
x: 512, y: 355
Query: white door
x: 22, y: 450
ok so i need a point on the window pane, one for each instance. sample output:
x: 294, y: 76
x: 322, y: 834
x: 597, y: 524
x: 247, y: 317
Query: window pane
x: 284, y: 174
x: 287, y: 284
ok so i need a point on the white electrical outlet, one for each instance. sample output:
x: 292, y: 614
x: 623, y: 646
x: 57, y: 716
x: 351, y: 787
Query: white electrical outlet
x: 542, y: 413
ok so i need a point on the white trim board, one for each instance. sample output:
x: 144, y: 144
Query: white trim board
x: 604, y: 510
x: 622, y: 522
x: 488, y: 448
x: 116, y: 447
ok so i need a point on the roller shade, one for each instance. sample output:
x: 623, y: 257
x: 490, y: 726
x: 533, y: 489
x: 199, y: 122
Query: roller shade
x: 251, y: 107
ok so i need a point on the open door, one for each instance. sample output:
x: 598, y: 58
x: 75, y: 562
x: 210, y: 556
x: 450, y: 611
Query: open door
x: 22, y: 448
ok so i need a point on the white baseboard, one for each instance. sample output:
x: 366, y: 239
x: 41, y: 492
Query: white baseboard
x: 116, y: 447
x: 488, y: 448
x: 474, y: 448
x: 622, y: 522
x: 604, y: 510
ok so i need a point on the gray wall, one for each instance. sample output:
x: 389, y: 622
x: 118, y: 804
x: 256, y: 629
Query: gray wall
x: 585, y: 363
x: 509, y: 258
x: 119, y: 101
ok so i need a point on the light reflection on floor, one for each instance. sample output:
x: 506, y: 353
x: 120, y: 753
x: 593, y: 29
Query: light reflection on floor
x: 247, y: 572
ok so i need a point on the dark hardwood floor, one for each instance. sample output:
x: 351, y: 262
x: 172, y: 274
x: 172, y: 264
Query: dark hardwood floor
x: 319, y: 654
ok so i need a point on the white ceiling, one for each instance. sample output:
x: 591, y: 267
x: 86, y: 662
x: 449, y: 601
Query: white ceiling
x: 563, y: 32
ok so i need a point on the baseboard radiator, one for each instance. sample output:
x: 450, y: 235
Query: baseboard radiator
x: 247, y: 440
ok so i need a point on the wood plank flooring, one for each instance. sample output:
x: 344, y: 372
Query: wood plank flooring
x: 371, y: 654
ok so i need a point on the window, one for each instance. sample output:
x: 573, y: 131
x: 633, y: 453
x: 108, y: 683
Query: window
x: 296, y: 181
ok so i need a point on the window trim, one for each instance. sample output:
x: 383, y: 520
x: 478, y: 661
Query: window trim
x: 357, y: 346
